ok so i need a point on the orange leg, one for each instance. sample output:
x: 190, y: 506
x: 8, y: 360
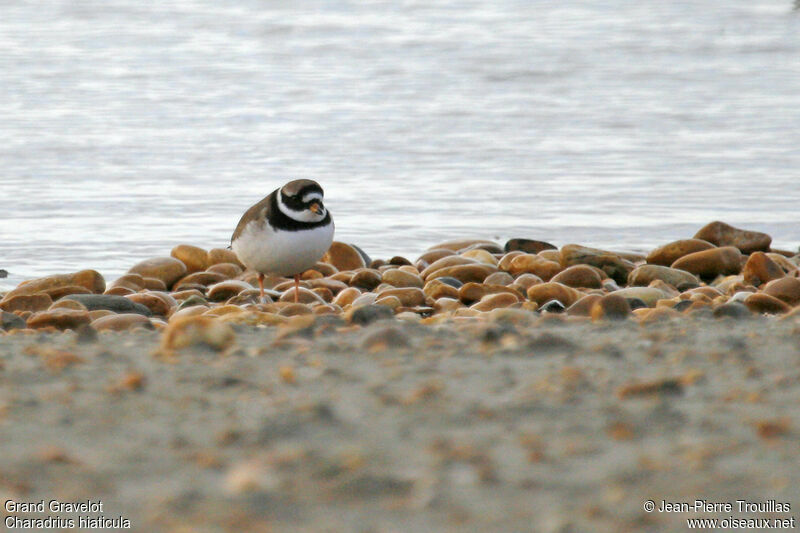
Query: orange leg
x: 261, y: 285
x: 296, y: 288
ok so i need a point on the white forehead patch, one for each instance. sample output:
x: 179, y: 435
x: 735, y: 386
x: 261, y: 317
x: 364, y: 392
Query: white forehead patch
x: 312, y: 196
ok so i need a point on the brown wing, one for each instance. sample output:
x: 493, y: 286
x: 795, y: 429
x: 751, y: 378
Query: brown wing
x: 258, y: 212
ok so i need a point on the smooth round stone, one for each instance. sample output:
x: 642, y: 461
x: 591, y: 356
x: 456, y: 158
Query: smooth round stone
x: 735, y: 310
x: 332, y: 285
x: 722, y: 234
x: 465, y: 273
x: 121, y: 322
x: 344, y: 257
x: 669, y: 253
x: 295, y: 309
x: 305, y: 296
x: 544, y: 292
x: 326, y: 309
x: 460, y: 244
x: 323, y: 292
x: 61, y: 319
x: 453, y: 282
x: 583, y: 307
x: 552, y: 306
x: 648, y: 295
x: 368, y: 314
x: 60, y: 292
x: 68, y: 304
x: 311, y: 274
x: 399, y: 261
x: 611, y: 307
x: 249, y: 296
x: 434, y: 255
x: 611, y: 263
x: 368, y: 298
x: 785, y: 289
x: 446, y: 262
x: 200, y: 278
x: 709, y: 264
x: 668, y: 289
x: 376, y: 263
x: 89, y: 281
x: 184, y: 332
x: 527, y: 245
x: 366, y: 278
x: 400, y: 278
x: 117, y: 304
x: 194, y: 299
x: 504, y: 264
x: 445, y: 305
x: 499, y: 278
x: 760, y: 269
x: 551, y: 255
x: 526, y: 281
x: 26, y: 302
x: 436, y: 289
x: 100, y: 313
x: 134, y: 282
x: 225, y: 290
x: 764, y: 303
x: 119, y: 291
x: 473, y: 292
x: 480, y: 255
x: 159, y: 303
x: 409, y: 296
x: 167, y: 269
x: 9, y: 321
x: 346, y: 296
x: 533, y: 264
x: 229, y: 270
x: 194, y: 310
x: 496, y: 301
x: 222, y: 255
x: 782, y: 261
x: 579, y: 276
x: 636, y: 303
x: 646, y: 274
x: 392, y: 302
x: 195, y: 258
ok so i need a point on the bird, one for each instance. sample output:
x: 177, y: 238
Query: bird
x: 285, y: 233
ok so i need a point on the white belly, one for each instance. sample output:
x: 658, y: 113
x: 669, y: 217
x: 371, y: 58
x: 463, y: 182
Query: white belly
x: 281, y: 253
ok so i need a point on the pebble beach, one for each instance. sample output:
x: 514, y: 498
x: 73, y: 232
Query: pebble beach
x: 481, y: 386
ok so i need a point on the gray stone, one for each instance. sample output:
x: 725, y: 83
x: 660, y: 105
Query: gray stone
x: 109, y: 302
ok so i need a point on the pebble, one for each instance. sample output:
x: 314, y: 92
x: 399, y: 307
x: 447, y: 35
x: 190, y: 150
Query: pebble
x: 480, y: 255
x: 649, y: 295
x: 583, y: 307
x: 203, y: 279
x: 496, y: 301
x: 611, y: 263
x: 461, y: 244
x: 408, y: 296
x: 669, y: 253
x: 346, y: 297
x: 499, y: 278
x: 68, y: 304
x: 465, y: 273
x: 386, y: 338
x: 195, y: 259
x: 26, y: 302
x: 553, y: 306
x: 159, y: 303
x: 344, y: 257
x: 59, y: 284
x: 366, y: 278
x: 533, y: 264
x: 735, y: 310
x: 722, y: 234
x: 760, y: 269
x: 121, y: 322
x: 473, y: 292
x: 579, y: 276
x: 446, y: 262
x: 611, y: 307
x: 167, y: 269
x: 446, y: 305
x: 61, y: 319
x: 764, y: 303
x: 367, y: 314
x: 229, y: 270
x: 225, y: 290
x: 218, y: 256
x: 10, y: 321
x: 436, y: 288
x: 709, y: 264
x: 401, y: 278
x: 184, y: 332
x: 646, y: 274
x: 304, y: 296
x: 116, y: 304
x: 544, y: 292
x: 528, y: 246
x: 784, y: 289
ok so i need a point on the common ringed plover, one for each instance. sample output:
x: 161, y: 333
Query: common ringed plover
x: 284, y: 234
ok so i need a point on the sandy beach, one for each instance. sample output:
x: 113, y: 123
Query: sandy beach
x: 542, y: 425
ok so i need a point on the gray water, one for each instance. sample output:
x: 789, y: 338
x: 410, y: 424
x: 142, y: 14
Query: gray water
x: 127, y: 128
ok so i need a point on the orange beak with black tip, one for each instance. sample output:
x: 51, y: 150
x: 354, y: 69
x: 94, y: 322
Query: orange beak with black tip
x: 315, y: 208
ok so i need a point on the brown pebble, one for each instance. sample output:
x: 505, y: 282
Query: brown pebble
x: 385, y: 338
x: 481, y: 256
x: 579, y: 276
x: 122, y: 322
x: 496, y: 301
x: 408, y: 296
x: 159, y: 303
x: 346, y: 296
x: 400, y: 278
x: 772, y: 429
x: 785, y: 289
x: 365, y: 278
x: 446, y: 305
x: 760, y: 269
x: 435, y: 289
x: 464, y: 273
x: 204, y: 279
x: 305, y: 296
x: 434, y: 255
x: 225, y: 290
x: 461, y: 244
x: 167, y: 269
x: 615, y: 267
x: 294, y: 309
x: 764, y: 303
x: 195, y: 259
x: 611, y: 307
x: 446, y: 262
x: 222, y: 255
x: 669, y: 253
x: 130, y: 381
x: 229, y: 270
x: 660, y: 386
x: 68, y: 304
x: 722, y: 234
x: 189, y: 331
x: 544, y: 292
x: 583, y: 307
x: 644, y: 275
x: 58, y: 285
x: 26, y: 302
x: 533, y: 264
x: 499, y: 278
x: 343, y: 256
x: 711, y: 263
x: 119, y: 291
x: 135, y: 282
x: 60, y: 319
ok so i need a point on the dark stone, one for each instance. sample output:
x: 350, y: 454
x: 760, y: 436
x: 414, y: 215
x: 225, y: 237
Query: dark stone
x: 683, y: 305
x: 9, y: 321
x: 376, y: 263
x: 528, y: 246
x: 553, y: 306
x: 733, y: 310
x: 370, y: 313
x: 399, y: 261
x: 636, y: 303
x: 490, y: 247
x: 3, y: 273
x: 110, y: 302
x: 453, y: 282
x: 687, y: 285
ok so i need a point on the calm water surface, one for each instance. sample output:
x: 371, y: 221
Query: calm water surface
x: 127, y: 128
